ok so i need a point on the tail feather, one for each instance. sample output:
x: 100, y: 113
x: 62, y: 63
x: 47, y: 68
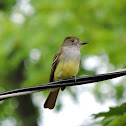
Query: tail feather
x: 51, y: 99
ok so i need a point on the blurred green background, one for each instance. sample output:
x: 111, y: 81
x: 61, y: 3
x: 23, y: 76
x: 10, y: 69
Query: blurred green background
x: 31, y: 32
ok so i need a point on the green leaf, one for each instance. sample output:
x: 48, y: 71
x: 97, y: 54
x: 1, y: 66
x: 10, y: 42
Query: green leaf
x: 115, y: 111
x: 118, y: 121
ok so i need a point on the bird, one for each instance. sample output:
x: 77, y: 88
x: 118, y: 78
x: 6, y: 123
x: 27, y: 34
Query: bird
x: 65, y: 65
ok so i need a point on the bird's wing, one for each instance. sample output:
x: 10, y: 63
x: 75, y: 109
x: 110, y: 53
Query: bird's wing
x: 54, y: 64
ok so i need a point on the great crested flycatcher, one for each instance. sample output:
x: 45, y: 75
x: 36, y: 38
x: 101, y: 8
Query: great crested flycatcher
x: 65, y: 65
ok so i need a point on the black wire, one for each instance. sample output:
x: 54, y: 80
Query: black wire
x: 69, y: 82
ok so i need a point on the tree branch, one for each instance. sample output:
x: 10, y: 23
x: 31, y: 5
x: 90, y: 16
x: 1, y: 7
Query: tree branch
x: 68, y: 82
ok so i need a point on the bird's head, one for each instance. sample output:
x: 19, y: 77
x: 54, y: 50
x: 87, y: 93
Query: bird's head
x: 73, y: 42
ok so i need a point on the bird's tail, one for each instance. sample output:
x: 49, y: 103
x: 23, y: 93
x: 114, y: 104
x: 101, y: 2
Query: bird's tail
x: 51, y: 99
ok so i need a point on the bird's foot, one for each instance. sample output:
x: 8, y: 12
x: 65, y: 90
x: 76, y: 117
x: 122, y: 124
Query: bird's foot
x: 60, y: 81
x: 75, y: 79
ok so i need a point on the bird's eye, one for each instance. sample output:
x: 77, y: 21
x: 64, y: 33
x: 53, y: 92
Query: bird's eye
x: 72, y: 40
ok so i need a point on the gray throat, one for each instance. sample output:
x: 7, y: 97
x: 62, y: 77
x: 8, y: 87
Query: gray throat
x: 71, y: 53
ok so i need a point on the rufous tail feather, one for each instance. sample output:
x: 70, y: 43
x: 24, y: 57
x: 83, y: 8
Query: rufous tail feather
x: 51, y: 99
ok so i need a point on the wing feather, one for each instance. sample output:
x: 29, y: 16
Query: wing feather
x: 54, y: 64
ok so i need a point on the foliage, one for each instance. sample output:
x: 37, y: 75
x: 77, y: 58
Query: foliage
x: 114, y: 117
x: 27, y: 45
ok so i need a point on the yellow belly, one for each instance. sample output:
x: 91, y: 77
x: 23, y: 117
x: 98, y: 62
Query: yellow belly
x: 66, y: 70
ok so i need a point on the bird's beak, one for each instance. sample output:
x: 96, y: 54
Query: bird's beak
x: 83, y: 43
